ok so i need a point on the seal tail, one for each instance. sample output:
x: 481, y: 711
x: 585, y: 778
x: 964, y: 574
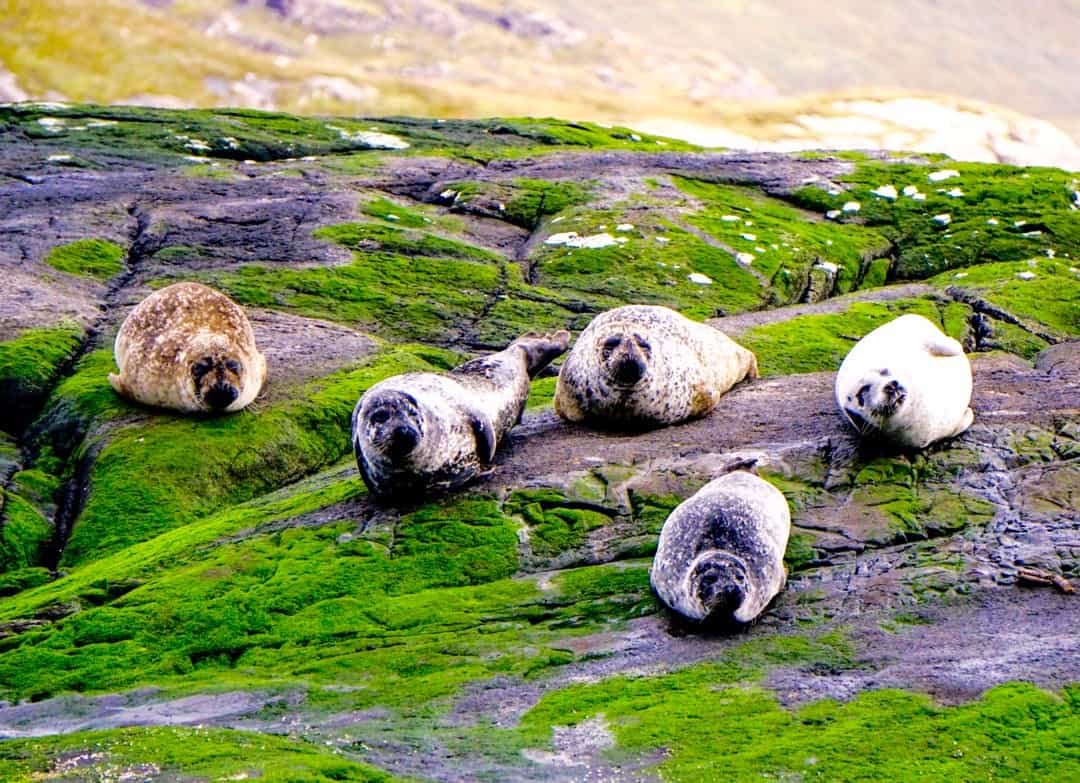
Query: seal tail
x: 542, y: 350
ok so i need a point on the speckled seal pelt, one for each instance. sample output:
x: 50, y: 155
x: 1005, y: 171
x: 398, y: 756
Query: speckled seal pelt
x: 647, y: 366
x: 721, y: 551
x: 908, y: 382
x: 189, y: 348
x: 422, y: 432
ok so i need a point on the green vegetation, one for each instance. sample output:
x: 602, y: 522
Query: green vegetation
x: 173, y: 469
x: 98, y: 258
x: 1015, y: 732
x: 812, y: 343
x: 553, y: 527
x: 24, y: 534
x: 784, y: 243
x: 994, y: 213
x: 208, y: 754
x: 523, y: 202
x: 29, y: 365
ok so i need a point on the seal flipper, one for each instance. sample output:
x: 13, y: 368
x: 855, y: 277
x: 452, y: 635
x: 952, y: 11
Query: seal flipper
x: 541, y: 350
x: 485, y: 436
x: 118, y: 385
x: 944, y: 346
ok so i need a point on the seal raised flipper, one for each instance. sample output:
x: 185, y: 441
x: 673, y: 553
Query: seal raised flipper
x: 484, y: 431
x: 944, y: 345
x: 541, y: 350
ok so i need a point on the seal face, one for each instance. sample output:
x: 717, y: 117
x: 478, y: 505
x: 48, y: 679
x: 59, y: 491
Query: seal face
x: 648, y: 366
x: 907, y: 382
x: 721, y: 551
x: 419, y: 432
x: 189, y: 348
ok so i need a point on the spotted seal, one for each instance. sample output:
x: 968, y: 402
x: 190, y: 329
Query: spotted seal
x: 189, y: 348
x: 908, y: 382
x: 433, y: 431
x: 648, y: 366
x: 721, y: 551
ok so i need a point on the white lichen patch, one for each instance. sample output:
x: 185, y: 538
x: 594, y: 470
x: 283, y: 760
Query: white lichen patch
x: 197, y: 144
x: 960, y: 275
x: 1026, y: 275
x: 730, y: 218
x: 744, y: 259
x: 100, y: 123
x: 851, y: 206
x: 1050, y: 252
x: 662, y: 240
x: 572, y: 239
x: 625, y: 227
x: 919, y: 197
x: 58, y: 158
x: 749, y: 237
x: 955, y: 193
x: 885, y: 191
x: 943, y: 219
x: 1019, y: 223
x: 910, y: 190
x: 832, y: 214
x: 1030, y: 234
x: 699, y: 279
x: 991, y: 221
x: 372, y: 139
x: 827, y: 266
x: 943, y: 174
x: 52, y: 124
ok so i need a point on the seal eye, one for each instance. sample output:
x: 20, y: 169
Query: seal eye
x: 202, y: 367
x: 380, y: 417
x: 643, y: 344
x: 611, y: 343
x: 232, y: 366
x: 860, y: 396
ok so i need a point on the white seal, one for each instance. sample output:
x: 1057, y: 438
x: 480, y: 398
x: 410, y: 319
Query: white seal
x: 647, y: 366
x: 908, y: 382
x: 721, y: 551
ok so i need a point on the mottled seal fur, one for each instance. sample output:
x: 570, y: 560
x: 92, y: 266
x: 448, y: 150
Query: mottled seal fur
x: 908, y: 382
x: 190, y: 348
x: 648, y: 366
x: 434, y: 431
x: 721, y: 551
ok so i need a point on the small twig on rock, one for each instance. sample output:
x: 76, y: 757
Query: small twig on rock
x: 1039, y: 577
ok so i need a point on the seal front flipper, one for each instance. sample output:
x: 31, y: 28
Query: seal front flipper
x: 118, y: 385
x: 484, y: 432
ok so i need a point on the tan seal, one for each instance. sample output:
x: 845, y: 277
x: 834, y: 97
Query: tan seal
x: 648, y: 366
x: 423, y: 431
x: 721, y: 551
x: 906, y: 381
x: 190, y: 348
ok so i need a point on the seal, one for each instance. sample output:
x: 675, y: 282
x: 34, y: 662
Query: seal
x: 189, y: 348
x: 721, y: 551
x: 423, y: 431
x: 645, y: 366
x: 908, y: 382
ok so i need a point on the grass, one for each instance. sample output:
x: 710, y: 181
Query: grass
x: 98, y: 258
x: 29, y: 365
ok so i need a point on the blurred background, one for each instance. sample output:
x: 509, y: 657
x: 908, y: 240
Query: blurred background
x: 990, y: 80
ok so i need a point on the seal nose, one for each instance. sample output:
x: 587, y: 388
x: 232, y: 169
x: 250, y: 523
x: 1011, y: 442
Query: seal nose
x: 402, y: 442
x: 892, y: 390
x: 720, y: 596
x: 220, y: 396
x: 629, y: 370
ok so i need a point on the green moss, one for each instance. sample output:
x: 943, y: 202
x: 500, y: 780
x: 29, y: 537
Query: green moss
x: 98, y: 258
x: 554, y: 527
x: 524, y: 202
x: 207, y: 754
x: 541, y: 393
x: 1015, y: 731
x: 395, y: 213
x: 812, y: 343
x: 29, y: 365
x: 12, y: 582
x: 785, y: 243
x: 1050, y: 300
x: 172, y: 470
x: 24, y: 534
x: 1002, y: 213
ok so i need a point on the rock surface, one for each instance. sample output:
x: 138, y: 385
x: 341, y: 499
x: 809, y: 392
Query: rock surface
x: 159, y: 572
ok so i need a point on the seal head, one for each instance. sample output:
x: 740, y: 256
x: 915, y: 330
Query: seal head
x: 217, y: 372
x: 878, y: 397
x: 393, y: 423
x: 720, y: 582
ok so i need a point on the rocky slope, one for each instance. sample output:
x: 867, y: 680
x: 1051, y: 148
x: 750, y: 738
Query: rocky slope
x: 209, y: 599
x: 981, y: 81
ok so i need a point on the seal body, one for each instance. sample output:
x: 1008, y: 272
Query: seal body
x: 648, y: 366
x: 434, y: 431
x: 907, y: 381
x: 721, y: 551
x: 189, y: 348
